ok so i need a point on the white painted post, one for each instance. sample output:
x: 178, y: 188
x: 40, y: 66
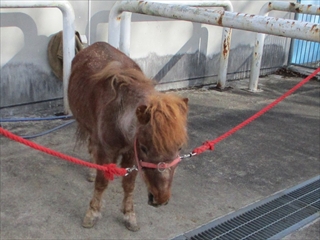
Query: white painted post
x: 68, y: 35
x: 259, y: 40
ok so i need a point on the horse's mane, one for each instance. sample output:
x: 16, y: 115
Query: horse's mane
x: 168, y: 121
x: 121, y: 76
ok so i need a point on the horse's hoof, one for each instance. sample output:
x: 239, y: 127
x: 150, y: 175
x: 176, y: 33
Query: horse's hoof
x: 131, y: 222
x: 132, y: 227
x: 91, y: 175
x: 88, y: 222
x: 91, y: 178
x: 90, y: 219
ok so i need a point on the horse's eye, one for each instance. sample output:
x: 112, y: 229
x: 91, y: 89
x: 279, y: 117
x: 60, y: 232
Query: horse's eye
x: 179, y: 148
x: 144, y: 149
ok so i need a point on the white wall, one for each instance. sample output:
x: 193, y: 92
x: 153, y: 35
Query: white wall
x: 177, y: 53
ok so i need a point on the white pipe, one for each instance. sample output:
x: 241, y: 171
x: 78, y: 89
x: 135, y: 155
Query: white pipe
x: 68, y: 34
x: 225, y: 51
x: 122, y: 23
x: 259, y: 40
x: 254, y: 23
x: 89, y: 22
x: 125, y: 29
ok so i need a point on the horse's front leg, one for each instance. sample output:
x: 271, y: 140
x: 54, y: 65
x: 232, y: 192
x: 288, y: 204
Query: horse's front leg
x: 93, y: 213
x: 128, y: 183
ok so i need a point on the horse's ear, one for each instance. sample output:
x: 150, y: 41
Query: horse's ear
x: 184, y: 108
x: 143, y: 114
x: 186, y: 100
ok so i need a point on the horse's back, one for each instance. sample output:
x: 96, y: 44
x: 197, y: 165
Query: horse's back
x: 95, y: 57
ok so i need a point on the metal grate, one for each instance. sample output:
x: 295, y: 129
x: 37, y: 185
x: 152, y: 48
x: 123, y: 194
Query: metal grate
x: 274, y: 217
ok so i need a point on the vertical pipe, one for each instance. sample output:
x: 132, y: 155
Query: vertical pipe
x: 256, y: 62
x: 224, y: 58
x: 68, y: 50
x: 115, y: 16
x: 125, y: 30
x: 89, y: 22
x: 224, y: 54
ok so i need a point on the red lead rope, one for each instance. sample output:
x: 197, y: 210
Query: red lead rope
x: 109, y: 169
x: 209, y: 145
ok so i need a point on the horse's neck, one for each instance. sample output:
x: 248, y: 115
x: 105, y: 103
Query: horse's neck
x: 127, y: 124
x: 127, y: 121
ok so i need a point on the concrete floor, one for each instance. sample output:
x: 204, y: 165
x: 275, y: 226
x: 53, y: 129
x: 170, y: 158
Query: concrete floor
x: 43, y: 197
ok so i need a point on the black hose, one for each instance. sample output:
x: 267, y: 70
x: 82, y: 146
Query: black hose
x: 48, y: 131
x: 34, y: 119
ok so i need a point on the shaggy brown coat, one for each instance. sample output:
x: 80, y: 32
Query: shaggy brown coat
x: 115, y: 104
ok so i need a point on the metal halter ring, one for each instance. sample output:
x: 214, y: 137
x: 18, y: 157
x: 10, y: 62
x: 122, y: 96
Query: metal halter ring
x: 162, y: 166
x: 188, y: 155
x: 129, y: 170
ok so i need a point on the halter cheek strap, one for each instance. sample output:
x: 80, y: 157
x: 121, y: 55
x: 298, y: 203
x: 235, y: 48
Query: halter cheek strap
x: 161, y: 166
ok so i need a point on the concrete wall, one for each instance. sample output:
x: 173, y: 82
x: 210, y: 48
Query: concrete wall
x: 176, y: 53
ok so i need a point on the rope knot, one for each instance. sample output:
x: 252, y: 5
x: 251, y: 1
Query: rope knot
x: 111, y: 169
x: 209, y: 145
x: 205, y: 146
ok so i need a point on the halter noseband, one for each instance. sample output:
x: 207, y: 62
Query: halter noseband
x: 161, y: 166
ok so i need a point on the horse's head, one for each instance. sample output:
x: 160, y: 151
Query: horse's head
x: 160, y: 137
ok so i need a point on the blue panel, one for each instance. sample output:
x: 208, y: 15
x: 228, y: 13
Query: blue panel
x: 306, y: 53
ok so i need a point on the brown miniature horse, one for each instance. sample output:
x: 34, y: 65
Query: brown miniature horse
x: 118, y: 109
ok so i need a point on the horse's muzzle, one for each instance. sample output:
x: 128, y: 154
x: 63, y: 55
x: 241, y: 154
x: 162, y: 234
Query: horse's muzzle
x: 152, y: 202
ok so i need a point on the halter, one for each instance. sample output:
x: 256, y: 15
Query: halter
x: 161, y: 166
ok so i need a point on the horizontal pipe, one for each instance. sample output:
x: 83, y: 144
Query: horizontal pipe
x: 119, y: 21
x: 254, y: 23
x: 225, y: 4
x: 289, y: 7
x: 260, y: 37
x: 68, y: 34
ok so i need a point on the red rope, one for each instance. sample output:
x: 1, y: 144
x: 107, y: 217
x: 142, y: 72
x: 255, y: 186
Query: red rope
x: 209, y: 145
x: 109, y: 169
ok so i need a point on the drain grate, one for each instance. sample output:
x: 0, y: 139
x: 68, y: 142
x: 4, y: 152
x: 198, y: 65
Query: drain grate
x: 274, y: 217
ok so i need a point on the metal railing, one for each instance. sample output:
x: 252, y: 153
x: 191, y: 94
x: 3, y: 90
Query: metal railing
x: 254, y: 23
x: 259, y: 40
x: 119, y: 29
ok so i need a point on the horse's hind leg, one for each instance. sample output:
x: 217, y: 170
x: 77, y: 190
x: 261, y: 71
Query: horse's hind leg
x: 92, y: 172
x: 128, y: 183
x: 101, y: 183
